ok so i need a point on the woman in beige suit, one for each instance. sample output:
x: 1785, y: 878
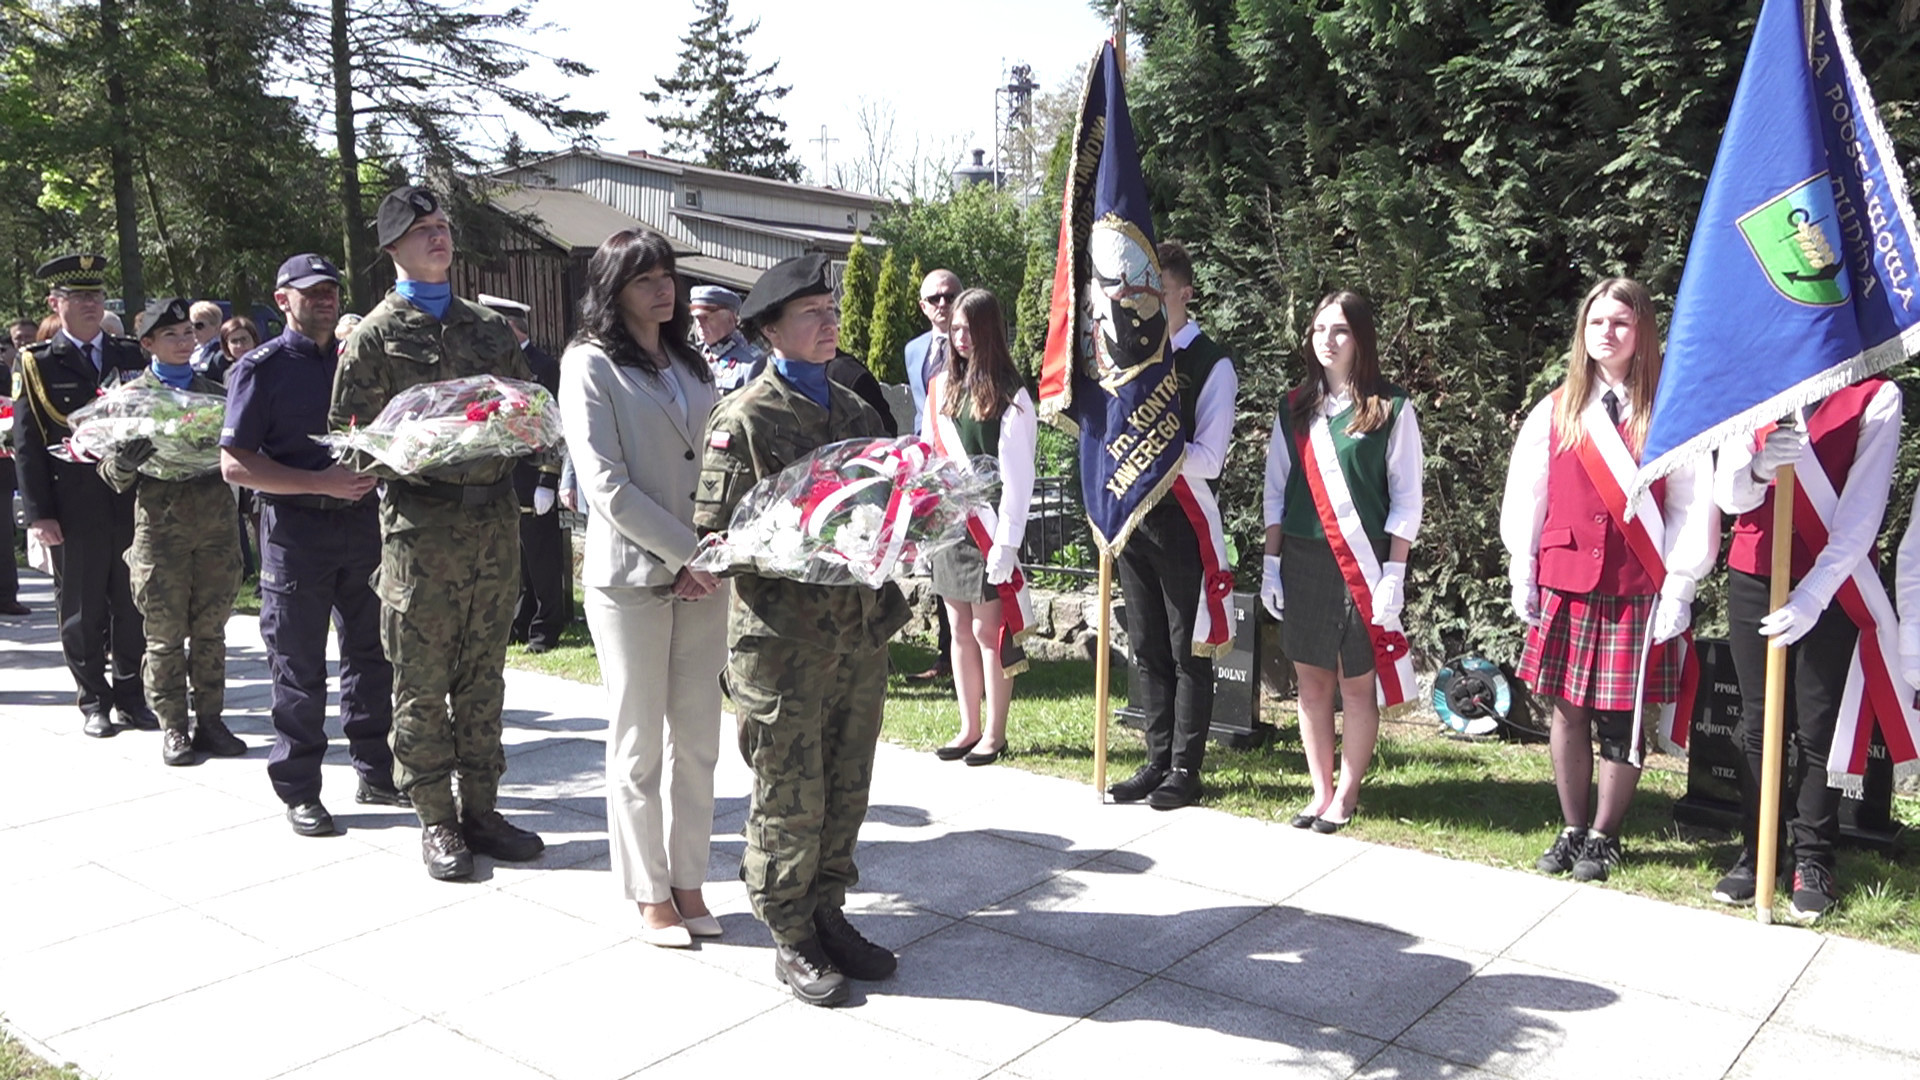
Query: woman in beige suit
x: 634, y: 398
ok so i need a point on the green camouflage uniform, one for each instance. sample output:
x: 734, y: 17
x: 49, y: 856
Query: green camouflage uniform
x: 449, y: 573
x: 807, y: 665
x: 185, y: 570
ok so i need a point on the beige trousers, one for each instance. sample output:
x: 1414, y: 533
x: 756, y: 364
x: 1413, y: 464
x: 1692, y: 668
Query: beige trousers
x: 660, y: 660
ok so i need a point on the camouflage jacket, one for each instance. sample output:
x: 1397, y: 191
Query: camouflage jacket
x: 188, y: 505
x: 755, y: 432
x: 398, y: 346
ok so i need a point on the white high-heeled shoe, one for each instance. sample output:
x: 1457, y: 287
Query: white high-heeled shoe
x: 676, y: 936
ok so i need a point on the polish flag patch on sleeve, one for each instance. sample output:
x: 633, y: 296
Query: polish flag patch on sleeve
x: 720, y: 440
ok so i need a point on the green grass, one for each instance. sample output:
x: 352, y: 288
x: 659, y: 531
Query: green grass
x: 18, y: 1063
x: 573, y: 658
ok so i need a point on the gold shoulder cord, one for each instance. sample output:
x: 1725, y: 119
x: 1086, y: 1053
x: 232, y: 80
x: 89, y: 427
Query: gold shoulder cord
x: 36, y: 388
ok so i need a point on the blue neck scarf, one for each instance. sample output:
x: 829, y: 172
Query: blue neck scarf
x: 177, y: 377
x: 809, y: 379
x: 432, y: 297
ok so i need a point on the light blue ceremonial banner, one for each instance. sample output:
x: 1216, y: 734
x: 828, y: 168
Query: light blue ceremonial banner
x: 1801, y: 277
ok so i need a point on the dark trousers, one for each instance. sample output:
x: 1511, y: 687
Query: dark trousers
x: 1816, y: 675
x: 546, y: 580
x: 9, y: 572
x: 1160, y: 576
x: 101, y: 631
x: 317, y: 565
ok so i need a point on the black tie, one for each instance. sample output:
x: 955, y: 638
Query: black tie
x: 86, y: 350
x: 938, y: 361
x: 1613, y: 407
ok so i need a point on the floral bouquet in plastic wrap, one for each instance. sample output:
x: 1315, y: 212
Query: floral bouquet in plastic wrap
x: 860, y: 511
x: 455, y: 422
x: 183, y: 426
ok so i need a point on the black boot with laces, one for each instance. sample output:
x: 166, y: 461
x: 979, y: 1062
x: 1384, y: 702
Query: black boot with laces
x: 1566, y: 848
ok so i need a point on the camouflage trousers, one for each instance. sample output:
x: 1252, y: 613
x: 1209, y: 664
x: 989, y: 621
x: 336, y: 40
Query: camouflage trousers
x: 447, y: 594
x: 185, y: 574
x: 810, y: 719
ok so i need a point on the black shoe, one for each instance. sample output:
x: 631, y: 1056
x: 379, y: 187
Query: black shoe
x: 1303, y: 820
x: 850, y: 950
x: 535, y: 648
x: 176, y: 748
x: 1740, y: 883
x: 1180, y: 788
x: 371, y: 794
x: 140, y: 719
x: 492, y: 834
x: 805, y: 969
x: 1138, y: 786
x: 1598, y: 856
x: 15, y: 607
x: 985, y: 757
x: 99, y: 724
x: 211, y: 735
x: 954, y: 753
x: 1328, y: 826
x: 310, y: 819
x: 1565, y: 851
x: 445, y: 852
x: 1813, y: 891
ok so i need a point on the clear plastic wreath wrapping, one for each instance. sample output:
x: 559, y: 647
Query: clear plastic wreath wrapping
x: 183, y: 426
x: 454, y: 422
x: 855, y: 512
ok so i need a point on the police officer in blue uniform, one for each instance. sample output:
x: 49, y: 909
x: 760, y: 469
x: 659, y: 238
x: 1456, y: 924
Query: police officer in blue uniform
x: 71, y: 509
x: 320, y: 544
x: 546, y: 558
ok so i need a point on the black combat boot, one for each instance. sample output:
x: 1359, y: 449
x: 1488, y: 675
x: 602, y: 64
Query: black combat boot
x: 210, y: 734
x: 445, y: 852
x: 850, y: 950
x: 806, y: 970
x: 490, y: 833
x: 370, y: 793
x: 1138, y: 786
x: 176, y: 746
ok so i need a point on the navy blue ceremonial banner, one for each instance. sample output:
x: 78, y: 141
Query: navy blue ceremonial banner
x: 1106, y: 373
x: 1801, y: 277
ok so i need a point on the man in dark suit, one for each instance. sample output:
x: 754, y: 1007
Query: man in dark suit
x: 926, y: 355
x: 70, y: 509
x: 546, y: 557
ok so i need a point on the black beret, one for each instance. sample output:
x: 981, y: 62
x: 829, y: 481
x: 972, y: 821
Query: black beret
x: 77, y: 272
x: 160, y: 314
x: 400, y: 209
x: 789, y: 280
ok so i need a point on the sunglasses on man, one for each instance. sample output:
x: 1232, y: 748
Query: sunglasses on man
x: 938, y: 298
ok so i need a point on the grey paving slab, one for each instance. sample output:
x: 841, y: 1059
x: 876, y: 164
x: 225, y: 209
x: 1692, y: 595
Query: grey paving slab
x: 1780, y: 1052
x: 69, y: 903
x: 1068, y: 816
x: 421, y: 1049
x: 236, y: 1029
x: 1626, y: 940
x: 1398, y: 1063
x: 989, y: 996
x: 857, y: 1048
x: 1217, y: 1037
x: 1853, y: 990
x: 1365, y: 978
x: 216, y: 863
x: 1475, y: 907
x: 956, y: 872
x: 306, y: 911
x: 1253, y: 858
x: 1522, y: 1020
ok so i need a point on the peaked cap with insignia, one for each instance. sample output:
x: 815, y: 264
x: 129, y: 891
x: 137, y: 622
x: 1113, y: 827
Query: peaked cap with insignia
x: 79, y: 272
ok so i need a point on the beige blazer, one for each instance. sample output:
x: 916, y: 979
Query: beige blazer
x: 636, y: 459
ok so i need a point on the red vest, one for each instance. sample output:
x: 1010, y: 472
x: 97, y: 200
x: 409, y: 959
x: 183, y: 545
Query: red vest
x: 1581, y: 549
x: 1834, y: 431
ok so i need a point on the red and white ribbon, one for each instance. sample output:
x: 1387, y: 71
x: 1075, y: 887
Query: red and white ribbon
x: 1016, y: 602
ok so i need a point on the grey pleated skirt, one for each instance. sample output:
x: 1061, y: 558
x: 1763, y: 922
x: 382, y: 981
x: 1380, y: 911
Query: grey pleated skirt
x: 1321, y: 627
x: 960, y: 574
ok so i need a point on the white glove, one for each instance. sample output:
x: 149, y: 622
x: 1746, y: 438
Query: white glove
x: 1001, y: 561
x: 543, y: 498
x: 1671, y: 617
x: 1390, y: 595
x: 1526, y: 602
x: 1783, y: 447
x: 1910, y: 653
x: 1270, y: 594
x: 1791, y: 623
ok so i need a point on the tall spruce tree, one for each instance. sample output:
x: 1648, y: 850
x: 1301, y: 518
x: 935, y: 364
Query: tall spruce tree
x: 886, y: 356
x: 721, y: 118
x: 856, y: 301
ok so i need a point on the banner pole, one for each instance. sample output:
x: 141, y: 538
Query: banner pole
x: 1102, y: 676
x: 1767, y: 830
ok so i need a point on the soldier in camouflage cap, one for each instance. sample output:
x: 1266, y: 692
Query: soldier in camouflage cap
x: 808, y: 663
x: 185, y: 561
x: 450, y: 546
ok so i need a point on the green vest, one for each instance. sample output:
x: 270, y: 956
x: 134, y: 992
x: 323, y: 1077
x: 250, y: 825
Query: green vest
x: 1191, y: 366
x: 1363, y: 461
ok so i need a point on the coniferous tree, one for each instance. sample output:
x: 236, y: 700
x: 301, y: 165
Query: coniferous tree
x: 721, y: 118
x: 856, y: 301
x: 886, y: 356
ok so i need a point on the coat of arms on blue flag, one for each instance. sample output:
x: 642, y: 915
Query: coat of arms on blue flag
x: 1802, y: 276
x: 1107, y: 374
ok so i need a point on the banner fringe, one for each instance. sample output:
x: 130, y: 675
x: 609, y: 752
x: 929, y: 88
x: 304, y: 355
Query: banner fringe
x: 1869, y: 115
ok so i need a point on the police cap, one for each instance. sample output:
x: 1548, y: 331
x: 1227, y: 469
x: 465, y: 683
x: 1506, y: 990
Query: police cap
x: 162, y: 313
x: 75, y: 273
x: 789, y: 280
x: 305, y: 271
x: 400, y: 209
x: 715, y: 296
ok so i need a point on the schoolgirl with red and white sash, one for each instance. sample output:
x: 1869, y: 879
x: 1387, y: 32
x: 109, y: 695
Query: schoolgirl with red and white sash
x: 1844, y: 665
x: 980, y: 579
x: 1607, y: 600
x: 1343, y: 504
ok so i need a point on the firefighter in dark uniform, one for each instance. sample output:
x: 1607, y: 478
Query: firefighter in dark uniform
x: 71, y: 509
x: 546, y: 558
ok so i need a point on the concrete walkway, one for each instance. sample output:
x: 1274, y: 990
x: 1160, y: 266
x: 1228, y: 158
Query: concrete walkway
x: 161, y: 922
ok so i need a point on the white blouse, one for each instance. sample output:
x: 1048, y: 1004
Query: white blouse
x: 1405, y: 461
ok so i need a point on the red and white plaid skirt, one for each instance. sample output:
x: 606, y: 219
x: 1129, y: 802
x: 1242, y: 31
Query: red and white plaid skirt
x: 1587, y: 645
